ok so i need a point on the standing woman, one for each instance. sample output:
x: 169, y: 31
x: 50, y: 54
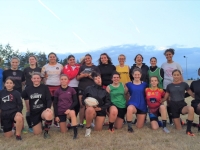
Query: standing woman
x: 65, y: 101
x: 106, y: 68
x: 98, y: 112
x: 85, y: 80
x: 117, y: 109
x: 155, y: 71
x: 123, y: 69
x: 176, y: 90
x: 15, y: 74
x: 11, y: 107
x: 168, y: 68
x: 51, y: 73
x: 28, y: 71
x: 71, y: 70
x: 137, y: 103
x: 39, y: 100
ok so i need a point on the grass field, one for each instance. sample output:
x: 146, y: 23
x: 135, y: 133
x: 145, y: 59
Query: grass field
x: 144, y: 139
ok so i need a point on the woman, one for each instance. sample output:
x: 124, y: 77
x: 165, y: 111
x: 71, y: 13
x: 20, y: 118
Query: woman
x: 28, y: 71
x: 156, y: 71
x: 51, y: 73
x: 176, y: 91
x: 11, y: 109
x: 137, y: 103
x: 106, y: 68
x: 99, y: 112
x: 39, y: 98
x: 15, y: 74
x: 168, y: 67
x: 123, y: 69
x: 71, y: 70
x: 156, y: 108
x: 85, y: 80
x: 139, y: 64
x: 117, y: 109
x: 1, y: 77
x: 65, y: 101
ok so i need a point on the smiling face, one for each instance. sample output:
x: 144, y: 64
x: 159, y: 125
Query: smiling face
x: 9, y: 84
x: 88, y: 60
x: 169, y: 56
x: 121, y: 59
x: 176, y: 76
x: 153, y: 62
x: 52, y: 58
x: 136, y: 75
x: 116, y: 78
x: 104, y: 59
x: 32, y: 61
x: 64, y: 81
x: 97, y: 80
x: 139, y: 60
x: 14, y: 64
x: 36, y: 79
x: 154, y: 81
x: 71, y: 61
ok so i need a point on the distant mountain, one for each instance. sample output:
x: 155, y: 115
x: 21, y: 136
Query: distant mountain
x: 192, y: 54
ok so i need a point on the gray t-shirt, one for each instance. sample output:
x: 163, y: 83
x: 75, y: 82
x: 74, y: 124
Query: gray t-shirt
x: 177, y: 91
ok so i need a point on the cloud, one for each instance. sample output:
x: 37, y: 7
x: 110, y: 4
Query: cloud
x: 49, y: 10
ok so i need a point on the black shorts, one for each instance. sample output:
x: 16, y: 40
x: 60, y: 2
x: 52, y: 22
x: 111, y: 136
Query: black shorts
x: 36, y: 118
x: 101, y: 113
x: 7, y: 120
x: 194, y: 104
x: 80, y: 92
x: 140, y: 111
x: 176, y: 108
x: 63, y: 118
x: 121, y: 111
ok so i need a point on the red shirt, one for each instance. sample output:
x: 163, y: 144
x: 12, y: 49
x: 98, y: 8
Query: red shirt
x: 153, y: 97
x: 70, y: 72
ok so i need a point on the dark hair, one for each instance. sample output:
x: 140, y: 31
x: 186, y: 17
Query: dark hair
x: 176, y: 70
x: 53, y: 54
x: 199, y: 71
x: 137, y: 56
x: 171, y: 50
x: 137, y: 69
x: 36, y: 73
x: 88, y: 55
x: 70, y: 56
x: 64, y: 75
x: 35, y: 59
x: 95, y: 74
x: 115, y: 73
x: 109, y: 59
x: 9, y: 78
x: 153, y: 58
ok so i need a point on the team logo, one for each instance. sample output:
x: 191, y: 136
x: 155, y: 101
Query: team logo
x: 7, y: 98
x: 57, y: 68
x: 149, y: 93
x: 14, y: 73
x: 152, y: 100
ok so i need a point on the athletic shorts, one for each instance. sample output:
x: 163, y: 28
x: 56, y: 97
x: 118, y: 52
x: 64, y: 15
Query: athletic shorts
x: 154, y: 114
x: 52, y: 89
x: 140, y: 111
x: 121, y: 111
x: 101, y: 113
x: 63, y: 118
x: 36, y: 118
x: 7, y: 120
x: 176, y: 108
x: 194, y: 104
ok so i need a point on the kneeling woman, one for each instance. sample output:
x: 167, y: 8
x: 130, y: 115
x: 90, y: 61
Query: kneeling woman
x: 156, y: 108
x: 117, y: 109
x: 11, y: 109
x: 99, y: 112
x: 65, y: 101
x: 137, y: 103
x: 176, y: 91
x: 39, y: 99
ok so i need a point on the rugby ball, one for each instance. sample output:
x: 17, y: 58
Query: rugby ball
x: 90, y: 101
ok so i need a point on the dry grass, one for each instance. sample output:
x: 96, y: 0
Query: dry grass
x: 143, y: 139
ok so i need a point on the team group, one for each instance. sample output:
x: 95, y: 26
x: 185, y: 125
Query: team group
x: 120, y: 91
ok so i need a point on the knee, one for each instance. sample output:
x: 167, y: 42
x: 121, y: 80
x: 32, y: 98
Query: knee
x: 18, y: 118
x: 72, y: 113
x: 89, y: 111
x: 139, y: 126
x: 49, y: 115
x: 113, y: 112
x: 154, y: 127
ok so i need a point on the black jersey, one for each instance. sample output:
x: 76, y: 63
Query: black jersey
x: 17, y: 76
x: 195, y: 87
x: 28, y: 74
x: 10, y: 101
x: 39, y: 98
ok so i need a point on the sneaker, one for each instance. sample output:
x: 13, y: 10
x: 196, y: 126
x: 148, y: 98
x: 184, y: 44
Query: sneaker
x: 190, y: 133
x: 130, y: 130
x: 84, y: 121
x: 69, y: 126
x: 135, y: 121
x: 111, y: 130
x: 18, y: 138
x: 24, y: 131
x: 171, y: 123
x: 46, y: 135
x: 92, y: 125
x: 87, y: 133
x: 56, y: 125
x: 30, y: 130
x: 1, y: 130
x: 81, y: 125
x: 166, y: 130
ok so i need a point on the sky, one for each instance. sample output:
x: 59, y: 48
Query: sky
x: 66, y: 26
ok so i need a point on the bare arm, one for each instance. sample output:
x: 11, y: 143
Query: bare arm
x: 190, y: 93
x: 165, y: 97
